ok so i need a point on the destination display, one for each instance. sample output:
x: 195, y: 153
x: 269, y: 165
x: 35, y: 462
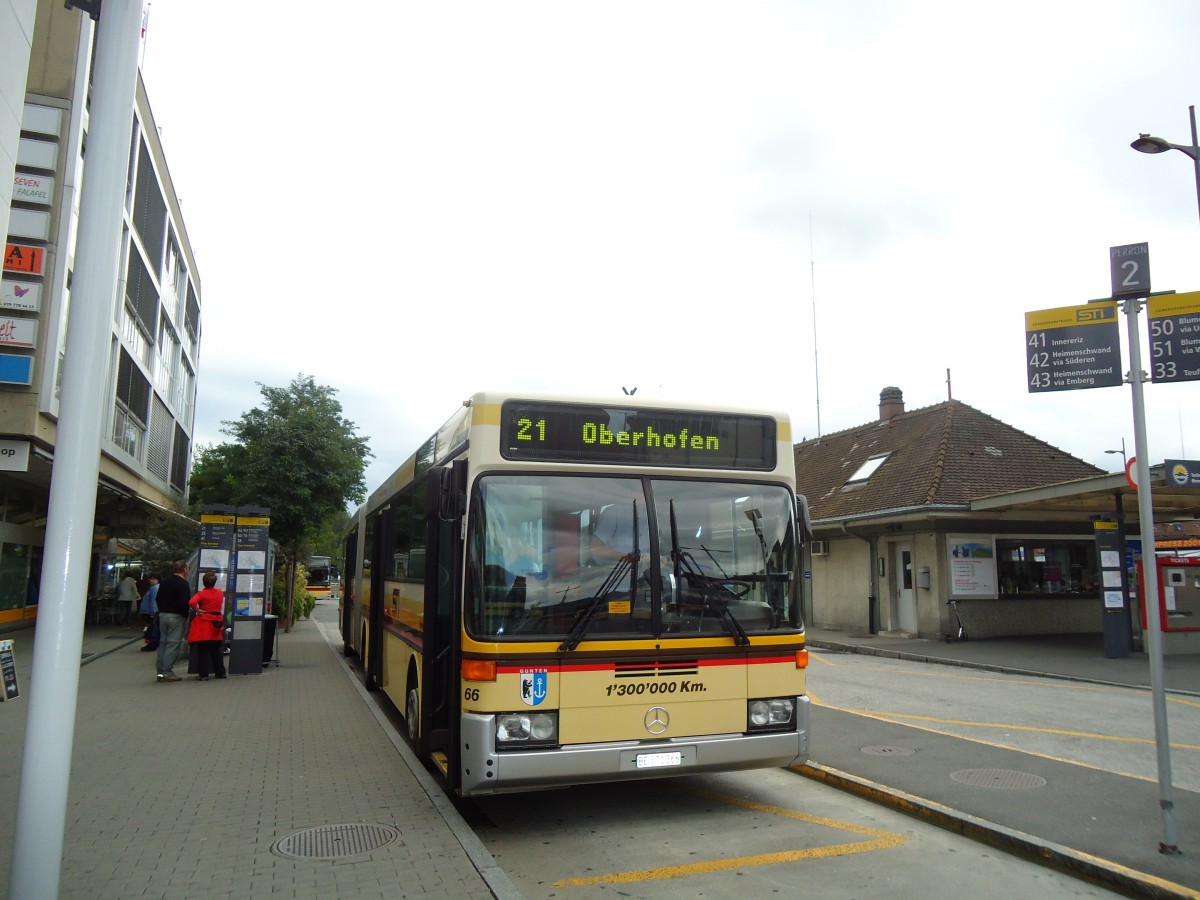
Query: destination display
x: 1073, y: 348
x: 572, y: 432
x: 1174, y: 337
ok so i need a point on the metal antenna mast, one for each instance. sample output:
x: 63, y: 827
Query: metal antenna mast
x: 812, y: 273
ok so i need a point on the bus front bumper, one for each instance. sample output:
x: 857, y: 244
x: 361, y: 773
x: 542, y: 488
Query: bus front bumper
x: 484, y: 770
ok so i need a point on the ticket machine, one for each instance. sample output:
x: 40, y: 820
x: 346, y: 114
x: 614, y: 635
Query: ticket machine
x: 1178, y: 602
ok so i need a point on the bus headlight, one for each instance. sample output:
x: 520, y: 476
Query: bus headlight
x: 775, y: 713
x: 526, y: 729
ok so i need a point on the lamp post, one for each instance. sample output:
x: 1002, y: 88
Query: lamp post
x: 1148, y: 143
x: 1124, y: 458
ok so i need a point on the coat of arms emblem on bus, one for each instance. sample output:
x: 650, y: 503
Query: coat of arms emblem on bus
x: 533, y: 686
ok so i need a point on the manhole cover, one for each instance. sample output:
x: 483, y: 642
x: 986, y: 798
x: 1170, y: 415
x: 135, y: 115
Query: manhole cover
x: 887, y: 751
x: 1002, y: 779
x: 335, y: 841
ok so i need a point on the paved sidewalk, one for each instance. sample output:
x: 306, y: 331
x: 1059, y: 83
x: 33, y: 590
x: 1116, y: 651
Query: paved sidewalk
x: 182, y: 790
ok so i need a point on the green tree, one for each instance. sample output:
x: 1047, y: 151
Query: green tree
x: 165, y: 537
x: 327, y: 539
x: 295, y: 454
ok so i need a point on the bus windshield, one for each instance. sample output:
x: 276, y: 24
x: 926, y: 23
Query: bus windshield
x: 576, y: 557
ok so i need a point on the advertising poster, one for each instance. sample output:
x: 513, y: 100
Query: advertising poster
x: 972, y: 565
x: 8, y: 669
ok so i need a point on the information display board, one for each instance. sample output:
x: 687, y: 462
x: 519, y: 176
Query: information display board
x: 1174, y: 337
x: 217, y: 524
x: 1110, y: 553
x: 251, y: 544
x: 1073, y: 347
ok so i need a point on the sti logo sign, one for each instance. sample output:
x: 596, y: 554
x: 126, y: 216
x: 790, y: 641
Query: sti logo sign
x: 1088, y: 314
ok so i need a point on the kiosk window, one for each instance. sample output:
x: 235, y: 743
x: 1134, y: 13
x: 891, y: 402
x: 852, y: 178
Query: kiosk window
x: 1037, y: 567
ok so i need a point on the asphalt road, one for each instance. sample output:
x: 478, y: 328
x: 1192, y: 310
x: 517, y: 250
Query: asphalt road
x: 740, y: 835
x: 1106, y: 727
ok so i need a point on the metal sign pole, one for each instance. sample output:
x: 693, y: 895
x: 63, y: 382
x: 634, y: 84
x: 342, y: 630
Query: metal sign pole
x: 1166, y: 793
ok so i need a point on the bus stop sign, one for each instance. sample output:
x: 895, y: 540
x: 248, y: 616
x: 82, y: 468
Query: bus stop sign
x: 1129, y: 266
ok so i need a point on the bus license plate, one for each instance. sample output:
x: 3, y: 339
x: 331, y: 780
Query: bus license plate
x: 657, y: 760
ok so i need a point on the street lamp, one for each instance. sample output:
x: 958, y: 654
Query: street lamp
x: 1124, y: 458
x: 1148, y: 143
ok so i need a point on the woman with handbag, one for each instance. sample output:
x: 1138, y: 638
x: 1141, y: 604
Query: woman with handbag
x: 207, y: 632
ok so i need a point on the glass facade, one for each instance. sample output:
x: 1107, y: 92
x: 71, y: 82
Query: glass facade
x: 22, y: 526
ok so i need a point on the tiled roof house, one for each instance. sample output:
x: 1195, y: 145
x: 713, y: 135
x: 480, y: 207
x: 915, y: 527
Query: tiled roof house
x: 890, y: 502
x: 937, y: 458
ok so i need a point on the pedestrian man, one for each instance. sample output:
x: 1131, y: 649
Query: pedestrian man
x: 174, y: 593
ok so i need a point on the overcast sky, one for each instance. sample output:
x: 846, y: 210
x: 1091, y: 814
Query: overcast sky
x: 780, y: 204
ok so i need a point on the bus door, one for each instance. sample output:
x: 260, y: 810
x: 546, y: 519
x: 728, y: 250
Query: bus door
x: 444, y: 501
x: 380, y: 535
x: 349, y: 596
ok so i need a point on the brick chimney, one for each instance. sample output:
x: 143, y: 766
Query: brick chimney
x: 891, y: 403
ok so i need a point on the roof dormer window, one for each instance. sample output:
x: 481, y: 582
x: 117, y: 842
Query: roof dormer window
x: 868, y: 468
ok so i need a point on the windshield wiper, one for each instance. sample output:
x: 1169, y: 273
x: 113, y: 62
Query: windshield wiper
x: 685, y: 563
x: 627, y: 563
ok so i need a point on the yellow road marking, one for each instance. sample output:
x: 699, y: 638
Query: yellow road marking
x: 1074, y: 762
x: 881, y: 840
x: 958, y: 675
x: 906, y: 717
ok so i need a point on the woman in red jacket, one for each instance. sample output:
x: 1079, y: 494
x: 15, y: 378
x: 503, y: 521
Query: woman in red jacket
x: 207, y: 633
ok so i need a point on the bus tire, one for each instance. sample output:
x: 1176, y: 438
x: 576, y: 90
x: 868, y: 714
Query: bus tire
x: 412, y: 712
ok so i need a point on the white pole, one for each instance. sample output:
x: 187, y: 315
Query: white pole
x: 1150, y: 581
x: 58, y: 638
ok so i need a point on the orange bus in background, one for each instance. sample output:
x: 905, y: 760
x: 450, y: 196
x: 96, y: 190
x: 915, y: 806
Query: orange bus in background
x: 323, y: 577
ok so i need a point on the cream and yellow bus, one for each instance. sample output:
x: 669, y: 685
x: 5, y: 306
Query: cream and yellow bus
x: 556, y: 591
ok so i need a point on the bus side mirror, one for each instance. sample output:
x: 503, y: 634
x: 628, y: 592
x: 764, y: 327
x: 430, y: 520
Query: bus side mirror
x: 803, y: 519
x: 446, y: 491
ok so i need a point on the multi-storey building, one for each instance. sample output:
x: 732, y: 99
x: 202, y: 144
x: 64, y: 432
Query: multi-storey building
x: 154, y: 340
